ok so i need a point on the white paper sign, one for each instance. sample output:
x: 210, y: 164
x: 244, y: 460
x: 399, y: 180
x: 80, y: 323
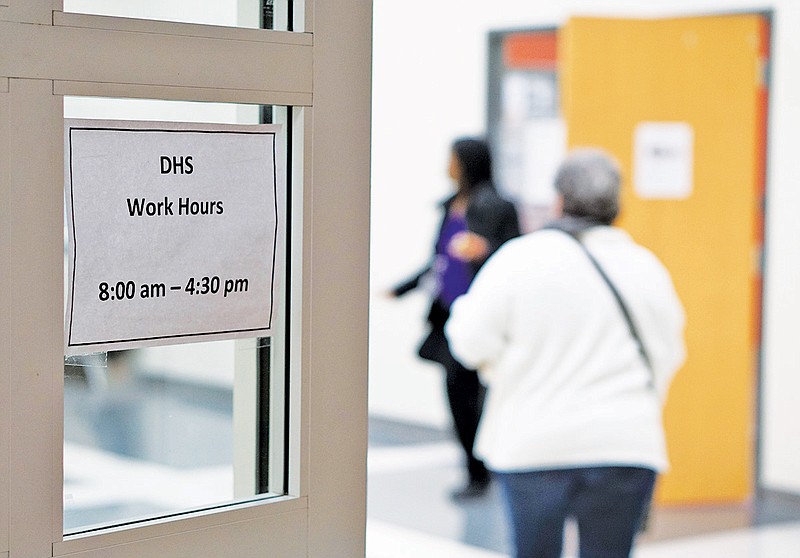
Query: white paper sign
x: 544, y: 148
x: 663, y: 160
x: 175, y: 232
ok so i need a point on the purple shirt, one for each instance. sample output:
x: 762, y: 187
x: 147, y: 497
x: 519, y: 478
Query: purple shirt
x: 453, y: 276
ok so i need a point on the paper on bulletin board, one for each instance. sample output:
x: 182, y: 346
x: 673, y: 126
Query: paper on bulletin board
x: 544, y: 149
x: 663, y: 160
x: 175, y: 232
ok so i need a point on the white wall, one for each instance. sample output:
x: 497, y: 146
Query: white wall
x: 429, y: 87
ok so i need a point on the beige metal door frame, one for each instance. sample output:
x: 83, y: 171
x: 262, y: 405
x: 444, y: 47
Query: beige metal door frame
x: 325, y: 71
x: 5, y: 318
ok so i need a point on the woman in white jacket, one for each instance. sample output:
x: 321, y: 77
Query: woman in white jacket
x: 572, y: 425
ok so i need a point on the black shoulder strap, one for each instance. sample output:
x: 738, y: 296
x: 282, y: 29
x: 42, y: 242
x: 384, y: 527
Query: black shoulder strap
x: 622, y: 306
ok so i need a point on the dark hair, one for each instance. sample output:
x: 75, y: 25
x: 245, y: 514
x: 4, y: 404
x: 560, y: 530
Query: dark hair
x: 476, y: 162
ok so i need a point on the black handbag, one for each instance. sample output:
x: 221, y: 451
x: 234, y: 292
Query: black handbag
x: 434, y: 347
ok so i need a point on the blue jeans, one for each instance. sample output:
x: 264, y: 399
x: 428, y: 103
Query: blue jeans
x: 608, y: 504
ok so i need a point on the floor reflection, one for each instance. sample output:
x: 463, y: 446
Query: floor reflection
x: 138, y: 444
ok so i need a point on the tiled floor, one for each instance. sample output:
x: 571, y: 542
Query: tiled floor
x: 412, y: 469
x: 778, y: 541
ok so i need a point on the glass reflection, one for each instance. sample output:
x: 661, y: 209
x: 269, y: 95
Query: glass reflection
x: 251, y: 14
x: 147, y: 432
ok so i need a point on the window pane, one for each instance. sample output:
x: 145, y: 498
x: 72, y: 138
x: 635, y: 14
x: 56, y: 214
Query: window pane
x: 251, y: 14
x: 160, y: 431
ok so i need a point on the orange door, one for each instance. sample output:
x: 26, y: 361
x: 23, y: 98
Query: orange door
x: 704, y: 76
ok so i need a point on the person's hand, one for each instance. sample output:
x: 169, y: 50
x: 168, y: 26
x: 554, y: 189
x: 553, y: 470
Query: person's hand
x: 468, y: 246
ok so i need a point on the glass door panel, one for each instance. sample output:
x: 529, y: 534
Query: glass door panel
x: 161, y: 431
x: 250, y: 14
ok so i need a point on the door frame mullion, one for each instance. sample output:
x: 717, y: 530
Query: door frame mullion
x: 36, y: 316
x: 5, y: 307
x: 59, y: 52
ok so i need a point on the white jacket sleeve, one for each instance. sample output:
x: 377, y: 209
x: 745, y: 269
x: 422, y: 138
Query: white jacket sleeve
x: 476, y: 329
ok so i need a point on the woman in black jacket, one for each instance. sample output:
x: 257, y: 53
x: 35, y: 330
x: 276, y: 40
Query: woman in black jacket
x: 476, y: 221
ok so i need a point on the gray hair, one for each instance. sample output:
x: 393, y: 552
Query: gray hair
x: 588, y: 180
